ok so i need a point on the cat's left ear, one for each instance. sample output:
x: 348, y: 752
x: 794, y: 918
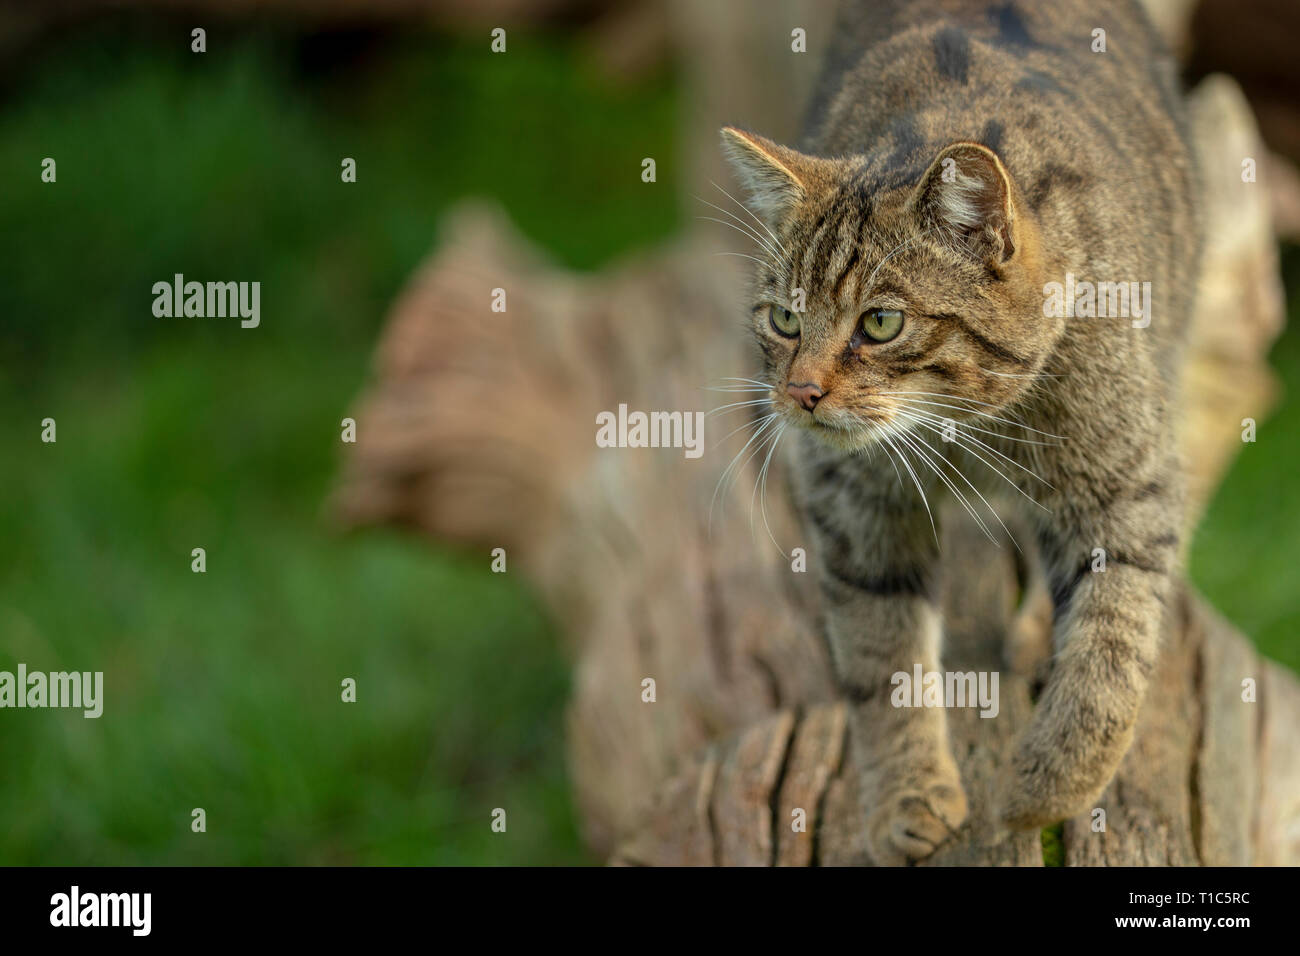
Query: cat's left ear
x: 776, y: 177
x: 967, y: 193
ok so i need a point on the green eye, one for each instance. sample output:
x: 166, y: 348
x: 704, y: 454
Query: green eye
x: 881, y: 325
x: 783, y: 321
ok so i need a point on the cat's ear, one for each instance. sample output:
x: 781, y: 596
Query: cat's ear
x: 777, y: 178
x: 967, y: 194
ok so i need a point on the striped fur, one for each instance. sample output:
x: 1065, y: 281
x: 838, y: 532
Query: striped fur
x: 959, y: 156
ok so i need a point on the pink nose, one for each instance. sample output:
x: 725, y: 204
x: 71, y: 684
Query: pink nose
x: 806, y: 394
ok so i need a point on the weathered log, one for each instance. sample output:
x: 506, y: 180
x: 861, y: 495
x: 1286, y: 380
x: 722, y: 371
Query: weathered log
x: 480, y: 428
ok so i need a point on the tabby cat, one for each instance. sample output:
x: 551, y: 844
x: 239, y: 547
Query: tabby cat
x: 959, y: 158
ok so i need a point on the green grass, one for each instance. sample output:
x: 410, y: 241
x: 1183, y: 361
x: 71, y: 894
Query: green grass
x: 223, y: 688
x: 1053, y: 842
x: 1247, y: 548
x: 225, y: 165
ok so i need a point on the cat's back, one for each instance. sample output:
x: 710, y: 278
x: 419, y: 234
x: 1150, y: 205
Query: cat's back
x: 887, y: 53
x: 1078, y: 97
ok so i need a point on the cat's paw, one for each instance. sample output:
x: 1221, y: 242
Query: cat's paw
x: 910, y: 824
x: 1037, y: 792
x: 1079, y: 734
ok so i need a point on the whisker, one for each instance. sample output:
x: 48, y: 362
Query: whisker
x: 879, y: 431
x: 934, y: 417
x: 903, y: 458
x: 744, y: 232
x: 761, y: 479
x: 752, y: 455
x: 763, y: 494
x: 987, y: 447
x: 723, y: 408
x: 738, y: 385
x: 741, y: 255
x: 910, y: 440
x: 989, y: 371
x: 974, y: 411
x: 765, y: 424
x: 959, y: 474
x: 749, y: 212
x: 740, y: 224
x: 955, y: 398
x: 745, y: 425
x: 961, y: 442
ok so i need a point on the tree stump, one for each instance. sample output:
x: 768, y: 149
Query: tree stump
x: 480, y: 428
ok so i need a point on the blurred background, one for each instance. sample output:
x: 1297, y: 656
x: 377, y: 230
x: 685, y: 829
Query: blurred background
x: 176, y: 434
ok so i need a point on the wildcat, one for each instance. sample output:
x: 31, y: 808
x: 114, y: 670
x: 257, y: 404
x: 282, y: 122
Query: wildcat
x: 959, y: 158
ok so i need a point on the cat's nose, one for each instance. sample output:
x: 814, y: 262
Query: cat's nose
x: 806, y: 394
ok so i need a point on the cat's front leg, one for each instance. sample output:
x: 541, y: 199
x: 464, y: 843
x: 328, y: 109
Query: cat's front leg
x: 1111, y: 586
x: 877, y: 562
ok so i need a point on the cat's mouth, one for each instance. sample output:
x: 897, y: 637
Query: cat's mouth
x: 845, y: 418
x: 853, y: 423
x: 854, y: 429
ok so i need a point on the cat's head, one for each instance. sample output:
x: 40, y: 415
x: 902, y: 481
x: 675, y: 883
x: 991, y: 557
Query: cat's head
x: 877, y: 310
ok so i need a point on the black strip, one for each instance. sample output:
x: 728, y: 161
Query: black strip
x: 848, y: 267
x: 1149, y: 490
x: 986, y: 344
x: 952, y: 54
x: 1063, y: 590
x: 912, y: 582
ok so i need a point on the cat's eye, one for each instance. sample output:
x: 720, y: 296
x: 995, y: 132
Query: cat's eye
x: 881, y: 325
x: 783, y: 321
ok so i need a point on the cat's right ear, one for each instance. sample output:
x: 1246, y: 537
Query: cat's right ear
x: 776, y: 178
